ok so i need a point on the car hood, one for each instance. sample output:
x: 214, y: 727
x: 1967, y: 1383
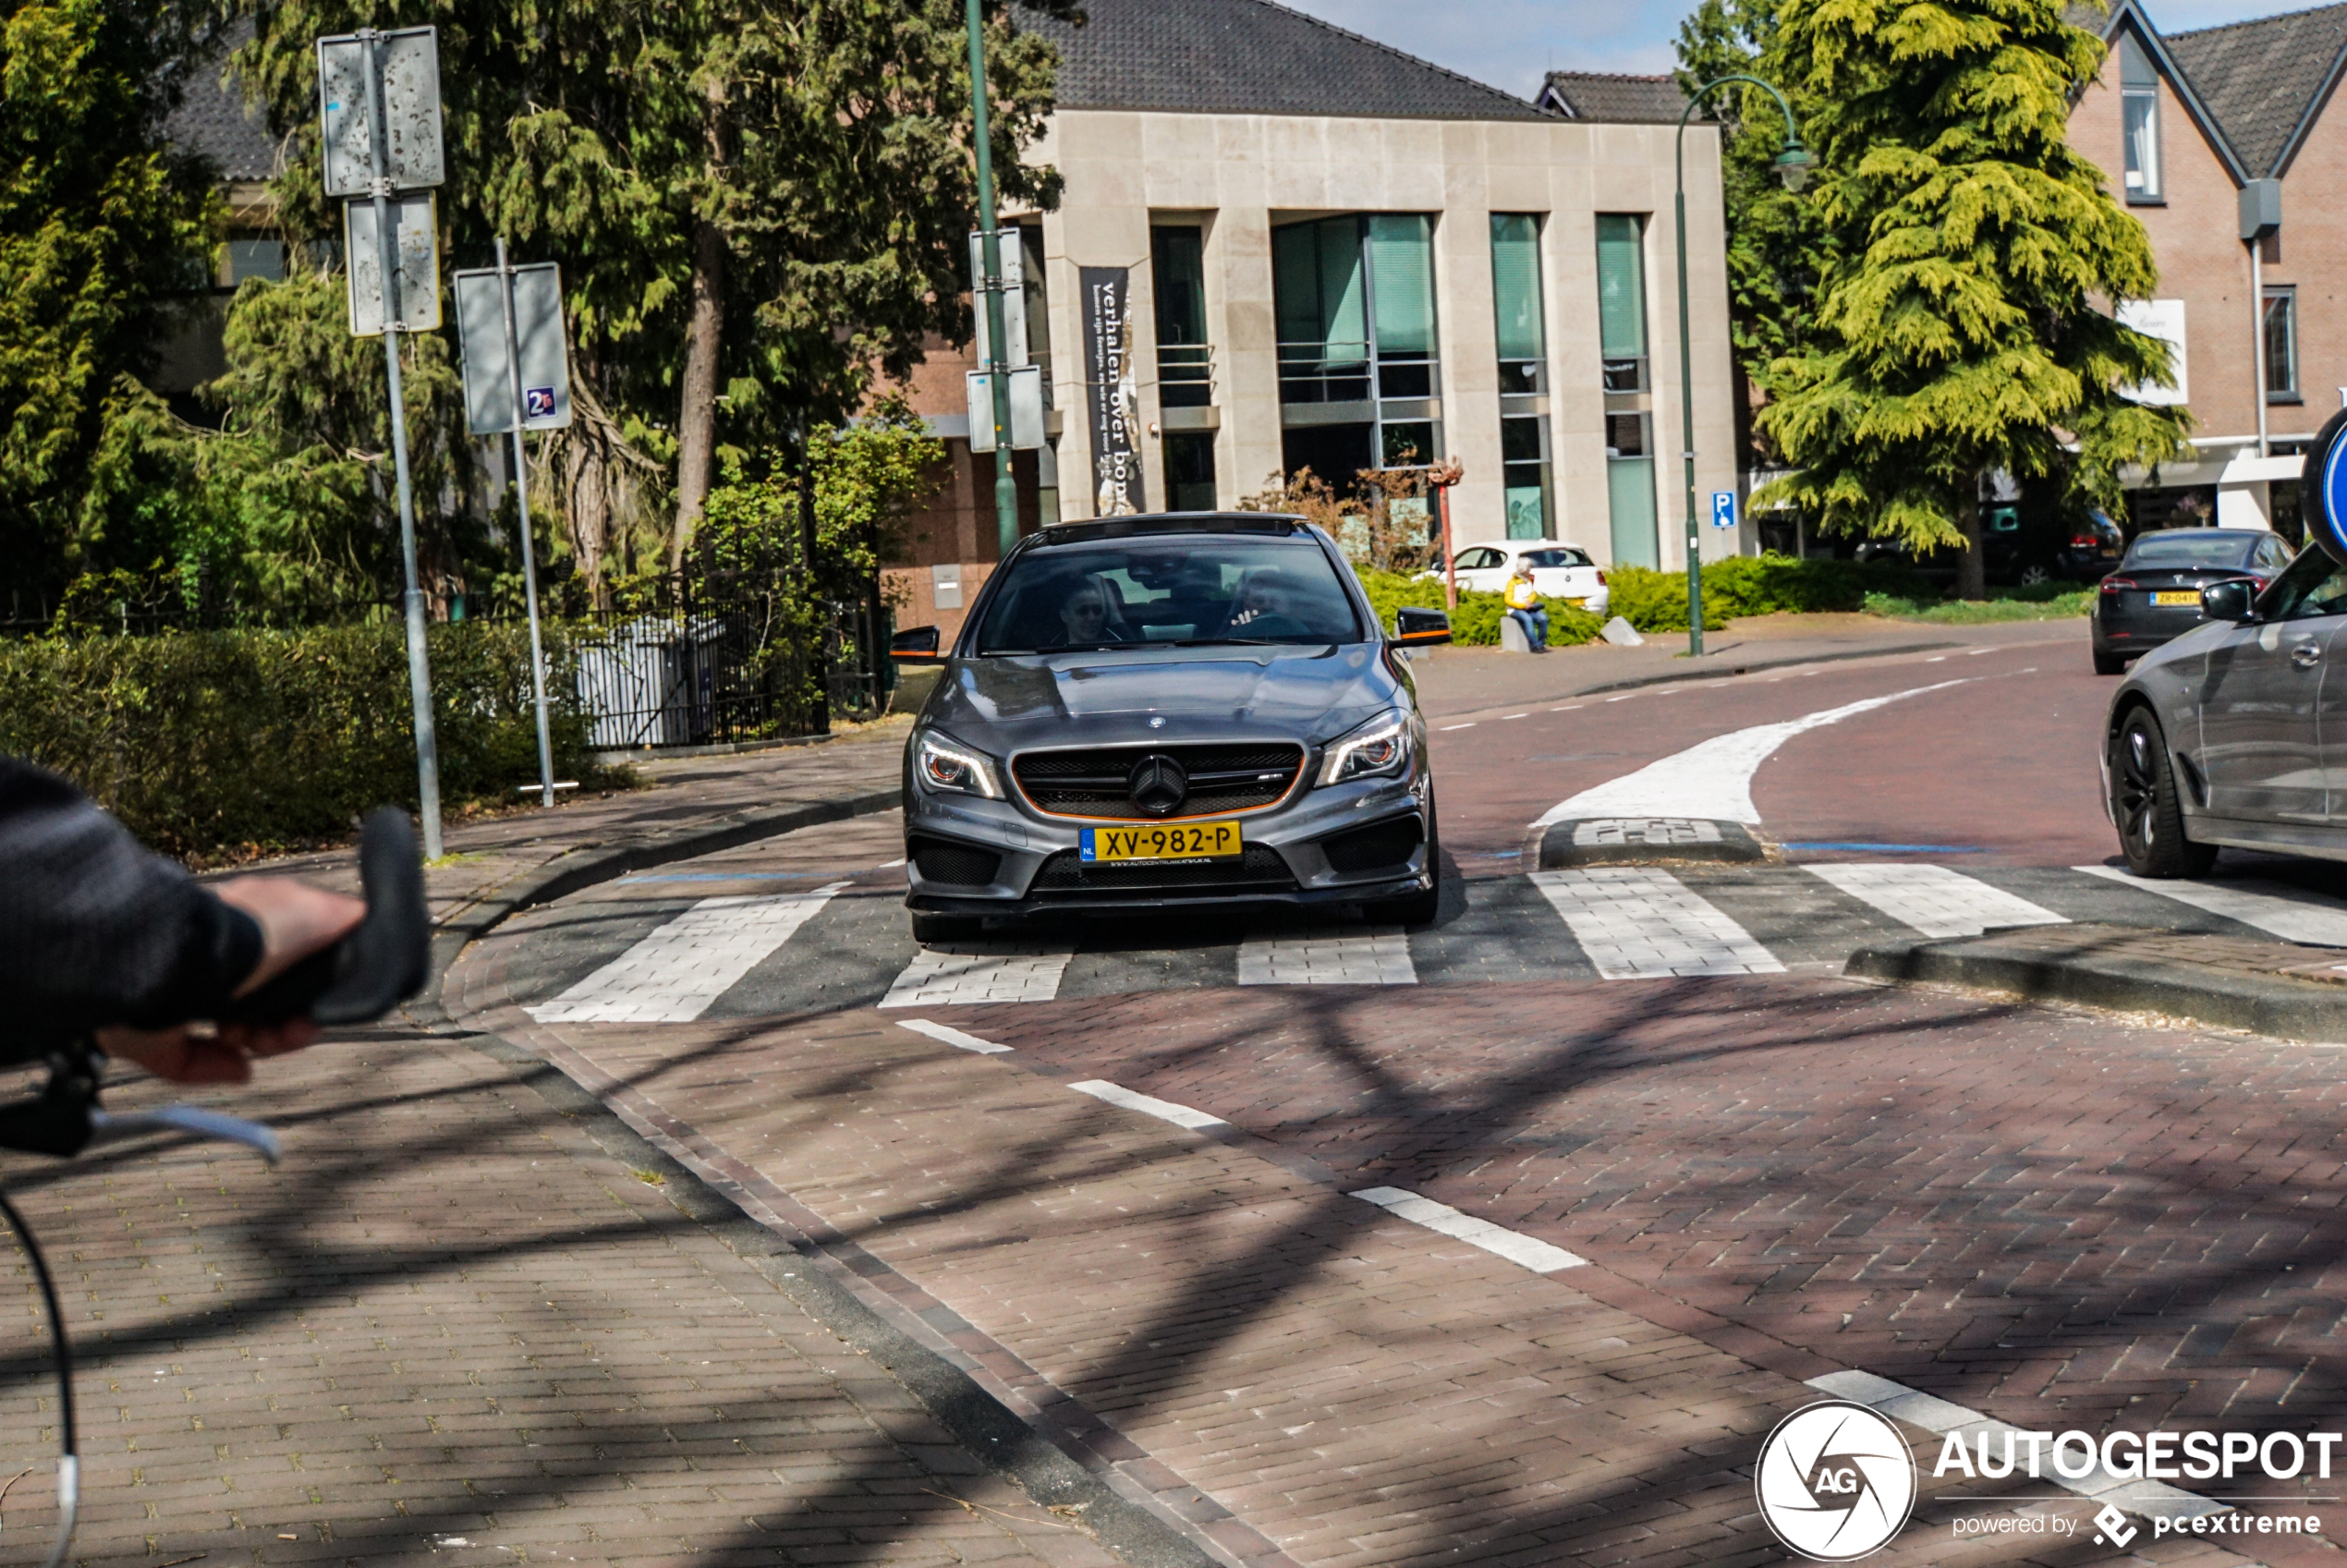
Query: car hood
x: 1009, y: 703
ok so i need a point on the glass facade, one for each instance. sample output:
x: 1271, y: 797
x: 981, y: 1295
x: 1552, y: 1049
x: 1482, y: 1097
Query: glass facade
x: 1178, y: 280
x: 1189, y: 470
x: 1629, y: 416
x: 2139, y: 111
x: 1353, y: 303
x: 1522, y: 353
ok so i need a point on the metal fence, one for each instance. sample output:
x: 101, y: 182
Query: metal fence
x: 697, y: 659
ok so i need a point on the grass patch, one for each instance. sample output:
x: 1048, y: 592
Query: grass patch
x: 2018, y: 604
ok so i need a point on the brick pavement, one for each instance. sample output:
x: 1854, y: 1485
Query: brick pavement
x: 452, y: 1326
x: 2060, y: 1218
x: 1320, y: 1381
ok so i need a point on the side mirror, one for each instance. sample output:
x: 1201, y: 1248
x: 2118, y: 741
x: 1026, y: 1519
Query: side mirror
x: 2229, y: 600
x: 1415, y: 627
x: 917, y: 645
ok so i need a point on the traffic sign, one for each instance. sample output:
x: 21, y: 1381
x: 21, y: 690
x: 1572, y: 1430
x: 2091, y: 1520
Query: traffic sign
x: 2322, y: 489
x: 1026, y: 409
x: 1724, y: 508
x: 1013, y: 297
x: 410, y: 60
x: 538, y: 327
x: 415, y: 233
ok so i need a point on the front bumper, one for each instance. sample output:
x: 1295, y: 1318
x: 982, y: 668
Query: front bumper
x: 1036, y: 868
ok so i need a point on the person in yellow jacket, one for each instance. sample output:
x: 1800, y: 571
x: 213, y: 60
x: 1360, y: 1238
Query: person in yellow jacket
x: 1524, y: 605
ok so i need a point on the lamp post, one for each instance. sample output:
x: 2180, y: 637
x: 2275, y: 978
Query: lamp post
x: 1793, y: 164
x: 989, y: 287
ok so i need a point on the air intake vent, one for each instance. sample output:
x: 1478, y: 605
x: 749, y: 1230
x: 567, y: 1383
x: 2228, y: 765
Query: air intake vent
x: 1382, y: 847
x: 959, y: 863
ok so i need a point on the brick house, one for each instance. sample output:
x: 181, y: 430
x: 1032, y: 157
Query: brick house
x: 2223, y: 142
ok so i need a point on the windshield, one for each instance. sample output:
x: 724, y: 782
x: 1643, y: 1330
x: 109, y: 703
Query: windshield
x: 1183, y: 588
x: 1565, y: 556
x: 2191, y: 550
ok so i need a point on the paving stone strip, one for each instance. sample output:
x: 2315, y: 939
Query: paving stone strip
x: 1309, y: 1378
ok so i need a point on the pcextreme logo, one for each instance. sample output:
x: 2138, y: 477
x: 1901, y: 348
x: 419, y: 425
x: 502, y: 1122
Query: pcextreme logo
x: 1836, y: 1481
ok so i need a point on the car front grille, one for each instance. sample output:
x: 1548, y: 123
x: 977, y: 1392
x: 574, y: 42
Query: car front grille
x: 1092, y: 781
x: 1260, y: 870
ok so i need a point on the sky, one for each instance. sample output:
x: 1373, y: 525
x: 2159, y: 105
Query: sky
x: 1512, y: 44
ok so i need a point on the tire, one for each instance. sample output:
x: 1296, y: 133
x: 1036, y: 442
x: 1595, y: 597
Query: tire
x: 2145, y: 806
x: 2110, y: 664
x: 2031, y: 576
x: 930, y: 930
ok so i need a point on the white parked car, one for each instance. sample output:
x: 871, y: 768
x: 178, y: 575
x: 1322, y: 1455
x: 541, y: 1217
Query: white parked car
x: 1560, y: 571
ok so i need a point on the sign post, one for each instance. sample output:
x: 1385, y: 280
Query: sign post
x: 517, y: 378
x: 411, y: 161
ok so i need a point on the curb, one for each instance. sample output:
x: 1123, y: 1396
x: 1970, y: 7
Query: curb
x: 2281, y: 1008
x: 992, y: 1432
x: 1554, y: 846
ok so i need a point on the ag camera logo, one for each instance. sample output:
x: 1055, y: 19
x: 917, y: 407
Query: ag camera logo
x: 1835, y: 1482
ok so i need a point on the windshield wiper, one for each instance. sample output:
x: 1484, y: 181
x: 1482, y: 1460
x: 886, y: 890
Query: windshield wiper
x: 1064, y: 648
x: 1226, y: 642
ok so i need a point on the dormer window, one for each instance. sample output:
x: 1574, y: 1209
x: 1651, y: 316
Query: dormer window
x: 2139, y: 107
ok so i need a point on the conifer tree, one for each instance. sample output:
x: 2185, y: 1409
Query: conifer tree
x: 1970, y: 258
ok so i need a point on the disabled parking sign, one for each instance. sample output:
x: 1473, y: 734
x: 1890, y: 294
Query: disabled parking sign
x: 1724, y: 508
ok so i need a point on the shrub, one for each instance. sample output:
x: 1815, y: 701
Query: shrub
x: 206, y: 741
x: 1475, y: 622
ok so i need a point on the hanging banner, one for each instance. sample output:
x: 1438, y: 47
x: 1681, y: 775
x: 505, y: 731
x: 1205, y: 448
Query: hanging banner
x: 2322, y: 489
x: 1115, y: 395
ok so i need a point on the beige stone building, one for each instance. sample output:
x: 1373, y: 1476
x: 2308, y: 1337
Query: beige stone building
x: 1283, y: 246
x: 2223, y: 142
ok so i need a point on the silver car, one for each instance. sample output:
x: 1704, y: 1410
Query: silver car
x: 1162, y: 714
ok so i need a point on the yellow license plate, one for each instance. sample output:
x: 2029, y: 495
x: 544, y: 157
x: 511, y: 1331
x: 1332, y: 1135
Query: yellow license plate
x: 1163, y: 841
x: 2175, y: 599
x: 1578, y: 603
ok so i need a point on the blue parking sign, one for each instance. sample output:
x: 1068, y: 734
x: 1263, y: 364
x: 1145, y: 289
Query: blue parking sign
x: 1724, y: 508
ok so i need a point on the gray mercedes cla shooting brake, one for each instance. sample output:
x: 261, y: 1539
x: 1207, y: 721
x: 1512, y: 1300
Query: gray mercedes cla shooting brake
x: 1170, y: 712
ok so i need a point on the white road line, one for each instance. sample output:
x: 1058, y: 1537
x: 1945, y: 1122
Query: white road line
x: 1505, y: 717
x: 1521, y: 1250
x: 989, y: 972
x: 672, y: 975
x: 1147, y: 1105
x: 1569, y: 708
x: 1379, y: 956
x: 2274, y: 907
x: 890, y: 865
x: 1979, y: 651
x: 1714, y: 778
x: 1469, y: 725
x: 1639, y: 924
x: 1624, y: 697
x: 1937, y: 659
x: 1933, y: 899
x: 1939, y: 1416
x: 953, y: 1037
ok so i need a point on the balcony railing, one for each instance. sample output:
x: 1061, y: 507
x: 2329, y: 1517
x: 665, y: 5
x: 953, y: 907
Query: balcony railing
x: 1186, y: 375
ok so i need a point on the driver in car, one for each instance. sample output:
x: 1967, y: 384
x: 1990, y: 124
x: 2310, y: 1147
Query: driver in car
x: 1267, y: 603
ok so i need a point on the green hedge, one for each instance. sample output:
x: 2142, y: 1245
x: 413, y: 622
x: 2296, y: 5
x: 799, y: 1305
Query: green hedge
x: 1656, y: 601
x: 213, y: 743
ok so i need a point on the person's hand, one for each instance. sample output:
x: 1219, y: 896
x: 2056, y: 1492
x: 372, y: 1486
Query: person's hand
x: 296, y: 921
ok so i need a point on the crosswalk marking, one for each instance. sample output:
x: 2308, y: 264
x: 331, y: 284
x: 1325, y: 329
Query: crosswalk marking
x: 1934, y: 900
x: 2274, y: 907
x: 672, y: 975
x: 984, y: 972
x: 1377, y: 957
x: 1525, y: 1251
x: 1640, y: 924
x: 953, y: 1037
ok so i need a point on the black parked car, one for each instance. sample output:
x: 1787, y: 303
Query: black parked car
x: 1174, y: 711
x: 2019, y: 551
x: 2154, y: 595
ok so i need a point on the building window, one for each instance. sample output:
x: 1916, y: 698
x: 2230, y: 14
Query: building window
x: 1354, y: 300
x: 1629, y: 416
x: 256, y: 259
x: 1178, y: 280
x: 1189, y: 470
x: 2281, y: 345
x: 1523, y: 344
x: 2139, y: 110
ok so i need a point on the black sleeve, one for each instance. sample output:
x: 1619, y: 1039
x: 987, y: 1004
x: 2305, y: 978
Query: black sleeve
x: 96, y: 930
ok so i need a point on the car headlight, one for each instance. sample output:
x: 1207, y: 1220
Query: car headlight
x: 1377, y: 749
x: 950, y: 768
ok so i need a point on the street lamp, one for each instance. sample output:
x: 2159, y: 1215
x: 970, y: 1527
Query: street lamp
x: 1794, y: 163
